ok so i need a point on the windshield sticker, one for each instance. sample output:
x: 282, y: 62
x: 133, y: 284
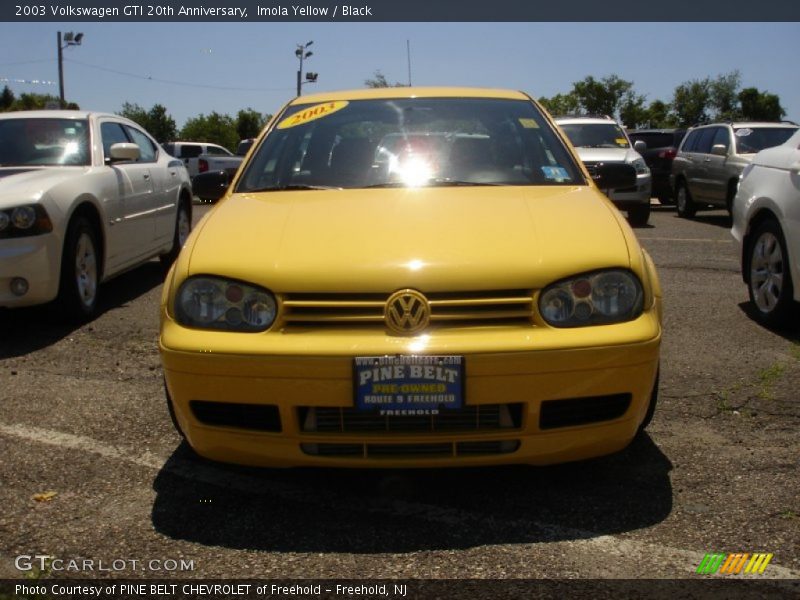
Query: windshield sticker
x: 743, y: 132
x: 529, y: 123
x: 312, y: 113
x: 621, y: 142
x: 557, y: 174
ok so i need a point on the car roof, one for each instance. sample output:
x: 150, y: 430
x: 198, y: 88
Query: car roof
x: 410, y: 92
x: 590, y: 120
x: 750, y: 124
x: 54, y: 114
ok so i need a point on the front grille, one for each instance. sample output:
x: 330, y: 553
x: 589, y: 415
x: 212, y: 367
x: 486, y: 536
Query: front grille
x: 416, y: 451
x: 258, y: 417
x: 447, y: 308
x: 480, y: 417
x: 581, y: 411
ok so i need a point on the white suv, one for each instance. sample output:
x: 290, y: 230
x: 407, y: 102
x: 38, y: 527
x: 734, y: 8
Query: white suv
x: 602, y: 140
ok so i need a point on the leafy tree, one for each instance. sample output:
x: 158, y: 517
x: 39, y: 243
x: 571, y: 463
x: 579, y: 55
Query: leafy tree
x: 690, y: 102
x: 632, y: 111
x: 156, y: 121
x: 249, y: 123
x: 6, y: 99
x: 378, y: 80
x: 724, y: 96
x: 658, y: 115
x: 760, y: 106
x: 602, y: 96
x: 561, y: 104
x: 214, y: 128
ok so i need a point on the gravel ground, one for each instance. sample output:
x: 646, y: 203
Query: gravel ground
x: 83, y: 415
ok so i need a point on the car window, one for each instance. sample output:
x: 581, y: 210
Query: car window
x: 217, y: 151
x: 190, y: 151
x: 705, y: 140
x: 751, y: 140
x: 691, y: 141
x: 722, y: 137
x: 147, y: 150
x: 169, y: 149
x: 44, y: 142
x: 112, y: 133
x: 411, y: 142
x: 595, y: 135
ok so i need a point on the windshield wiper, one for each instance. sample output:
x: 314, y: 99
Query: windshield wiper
x: 432, y: 183
x: 293, y: 187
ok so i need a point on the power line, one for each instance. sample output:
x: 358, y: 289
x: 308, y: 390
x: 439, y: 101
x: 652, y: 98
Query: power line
x: 172, y: 82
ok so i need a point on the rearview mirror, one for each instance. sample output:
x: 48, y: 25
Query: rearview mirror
x: 124, y: 151
x: 719, y: 149
x: 640, y: 145
x: 211, y: 185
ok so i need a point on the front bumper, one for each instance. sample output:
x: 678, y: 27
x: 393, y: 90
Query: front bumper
x: 36, y: 259
x: 526, y: 374
x: 633, y: 196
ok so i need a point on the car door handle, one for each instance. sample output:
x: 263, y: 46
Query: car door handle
x: 147, y: 175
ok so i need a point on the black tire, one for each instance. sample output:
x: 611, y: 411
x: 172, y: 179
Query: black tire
x: 769, y: 278
x: 183, y: 226
x: 651, y: 408
x: 639, y: 215
x: 683, y: 199
x: 80, y: 271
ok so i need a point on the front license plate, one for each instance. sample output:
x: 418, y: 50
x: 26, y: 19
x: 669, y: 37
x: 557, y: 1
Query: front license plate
x: 408, y: 385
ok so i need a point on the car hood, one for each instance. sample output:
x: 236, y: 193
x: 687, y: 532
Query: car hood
x: 433, y: 239
x: 607, y: 154
x: 28, y: 184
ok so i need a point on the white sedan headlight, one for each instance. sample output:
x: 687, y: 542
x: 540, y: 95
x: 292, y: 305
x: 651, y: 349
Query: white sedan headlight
x: 597, y: 298
x: 207, y: 302
x: 23, y: 221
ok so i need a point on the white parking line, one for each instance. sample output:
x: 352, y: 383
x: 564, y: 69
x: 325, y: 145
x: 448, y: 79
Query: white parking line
x: 638, y: 553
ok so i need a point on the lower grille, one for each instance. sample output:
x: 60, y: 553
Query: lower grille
x: 480, y: 417
x: 420, y: 451
x: 581, y: 411
x: 257, y: 417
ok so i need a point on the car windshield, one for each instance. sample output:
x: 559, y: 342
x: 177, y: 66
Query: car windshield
x: 595, y: 135
x: 752, y: 140
x: 44, y: 142
x: 412, y: 142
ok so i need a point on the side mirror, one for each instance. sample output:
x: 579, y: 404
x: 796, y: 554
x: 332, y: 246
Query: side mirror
x: 608, y: 176
x: 211, y: 185
x: 124, y: 151
x: 719, y: 150
x: 640, y: 146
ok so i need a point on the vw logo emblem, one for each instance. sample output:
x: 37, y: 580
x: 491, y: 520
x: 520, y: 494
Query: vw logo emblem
x: 407, y: 312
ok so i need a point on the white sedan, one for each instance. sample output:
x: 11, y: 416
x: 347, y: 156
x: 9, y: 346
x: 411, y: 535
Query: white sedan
x: 83, y: 197
x: 766, y: 226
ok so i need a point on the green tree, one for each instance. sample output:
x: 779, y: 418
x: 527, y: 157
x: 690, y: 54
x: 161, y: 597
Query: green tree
x: 760, y: 106
x: 561, y: 104
x: 632, y: 111
x: 378, y: 80
x: 658, y: 115
x: 214, y: 128
x: 6, y: 99
x: 34, y: 102
x: 601, y: 96
x: 690, y: 102
x: 724, y: 96
x: 249, y: 123
x: 156, y: 121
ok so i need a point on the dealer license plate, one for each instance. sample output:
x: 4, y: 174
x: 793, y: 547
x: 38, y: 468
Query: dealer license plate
x: 408, y: 385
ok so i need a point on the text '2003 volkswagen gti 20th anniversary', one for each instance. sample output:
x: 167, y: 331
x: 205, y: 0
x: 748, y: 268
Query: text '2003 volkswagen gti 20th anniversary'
x: 412, y: 277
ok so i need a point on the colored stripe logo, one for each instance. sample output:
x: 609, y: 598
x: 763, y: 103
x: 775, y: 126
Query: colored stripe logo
x: 734, y: 564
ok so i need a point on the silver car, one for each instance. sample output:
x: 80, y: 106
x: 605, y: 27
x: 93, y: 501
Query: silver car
x: 601, y: 140
x: 706, y: 170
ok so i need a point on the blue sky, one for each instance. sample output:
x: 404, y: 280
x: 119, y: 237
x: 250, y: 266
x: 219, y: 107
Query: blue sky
x: 253, y: 64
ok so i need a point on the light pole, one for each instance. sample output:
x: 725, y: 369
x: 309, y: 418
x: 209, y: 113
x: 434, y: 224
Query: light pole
x: 70, y: 39
x: 301, y: 54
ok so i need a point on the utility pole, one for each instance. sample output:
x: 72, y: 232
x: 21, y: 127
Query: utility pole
x: 70, y: 39
x: 302, y: 54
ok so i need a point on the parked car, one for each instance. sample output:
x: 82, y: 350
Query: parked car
x: 83, y: 197
x: 766, y: 227
x: 412, y: 277
x: 211, y: 183
x: 601, y: 140
x: 201, y: 157
x: 706, y: 170
x: 661, y: 146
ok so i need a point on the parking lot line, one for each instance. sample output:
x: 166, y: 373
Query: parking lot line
x: 638, y: 552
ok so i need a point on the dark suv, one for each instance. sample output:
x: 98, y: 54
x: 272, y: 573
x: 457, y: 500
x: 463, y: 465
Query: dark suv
x: 662, y: 146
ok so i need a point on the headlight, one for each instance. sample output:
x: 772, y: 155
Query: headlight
x: 640, y: 166
x: 218, y: 303
x: 596, y: 298
x: 24, y: 221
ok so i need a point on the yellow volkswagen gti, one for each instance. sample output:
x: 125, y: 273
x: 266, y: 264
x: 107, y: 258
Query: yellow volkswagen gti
x: 412, y: 277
